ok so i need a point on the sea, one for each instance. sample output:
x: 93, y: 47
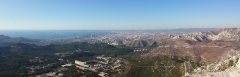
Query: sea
x: 44, y: 34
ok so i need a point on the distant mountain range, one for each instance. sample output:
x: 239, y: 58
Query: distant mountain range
x: 226, y: 34
x: 189, y: 30
x: 6, y: 40
x: 203, y: 47
x: 210, y: 45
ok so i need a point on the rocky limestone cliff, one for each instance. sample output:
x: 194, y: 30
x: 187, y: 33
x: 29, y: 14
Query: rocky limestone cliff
x: 228, y: 67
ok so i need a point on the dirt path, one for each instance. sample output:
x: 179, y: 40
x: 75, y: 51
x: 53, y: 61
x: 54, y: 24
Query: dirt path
x: 203, y: 59
x: 185, y: 68
x: 170, y: 71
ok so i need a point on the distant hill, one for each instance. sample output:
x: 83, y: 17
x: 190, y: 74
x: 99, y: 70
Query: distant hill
x: 226, y: 34
x: 189, y: 30
x: 6, y: 40
x: 203, y: 47
x: 3, y: 38
x: 169, y: 38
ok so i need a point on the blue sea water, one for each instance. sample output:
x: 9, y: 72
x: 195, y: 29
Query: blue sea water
x: 42, y: 34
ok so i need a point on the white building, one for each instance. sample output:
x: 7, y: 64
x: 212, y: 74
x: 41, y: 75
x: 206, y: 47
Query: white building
x: 80, y: 63
x: 103, y: 74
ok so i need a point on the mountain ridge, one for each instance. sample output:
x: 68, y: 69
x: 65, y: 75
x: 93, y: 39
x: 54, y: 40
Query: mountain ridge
x: 226, y: 34
x: 204, y: 47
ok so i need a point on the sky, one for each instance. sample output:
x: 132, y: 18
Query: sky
x: 117, y: 14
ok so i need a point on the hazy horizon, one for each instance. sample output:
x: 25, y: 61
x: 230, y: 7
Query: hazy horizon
x: 102, y: 29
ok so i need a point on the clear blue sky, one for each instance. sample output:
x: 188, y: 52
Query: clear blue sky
x: 118, y: 14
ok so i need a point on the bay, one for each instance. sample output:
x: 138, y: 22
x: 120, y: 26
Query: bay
x: 44, y: 34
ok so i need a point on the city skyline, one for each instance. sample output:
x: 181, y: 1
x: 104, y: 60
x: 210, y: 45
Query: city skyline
x: 117, y: 14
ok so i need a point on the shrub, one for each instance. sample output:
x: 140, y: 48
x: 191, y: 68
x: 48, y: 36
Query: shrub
x: 236, y: 60
x: 230, y: 63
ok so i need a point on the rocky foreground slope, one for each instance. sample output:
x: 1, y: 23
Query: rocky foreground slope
x: 203, y: 47
x: 217, y: 50
x: 227, y: 68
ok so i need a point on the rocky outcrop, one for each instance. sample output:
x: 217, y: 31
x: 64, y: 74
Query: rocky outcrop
x: 215, y: 49
x: 201, y: 52
x: 226, y: 34
x: 228, y: 67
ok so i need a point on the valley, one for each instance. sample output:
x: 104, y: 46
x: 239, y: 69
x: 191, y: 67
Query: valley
x: 194, y: 54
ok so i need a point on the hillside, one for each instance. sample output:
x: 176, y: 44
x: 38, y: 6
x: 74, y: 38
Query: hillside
x: 15, y: 58
x: 218, y: 51
x: 174, y: 56
x: 6, y: 40
x: 226, y: 34
x: 204, y: 47
x: 202, y: 52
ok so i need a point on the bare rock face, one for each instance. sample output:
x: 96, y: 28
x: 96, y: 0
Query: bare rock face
x: 213, y: 48
x: 201, y: 52
x: 226, y: 34
x: 229, y: 66
x: 204, y: 47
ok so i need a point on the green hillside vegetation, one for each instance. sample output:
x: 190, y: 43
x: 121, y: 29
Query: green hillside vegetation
x: 164, y: 66
x: 74, y: 72
x: 15, y: 57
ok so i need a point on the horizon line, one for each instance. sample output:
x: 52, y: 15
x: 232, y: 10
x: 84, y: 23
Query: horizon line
x: 113, y: 29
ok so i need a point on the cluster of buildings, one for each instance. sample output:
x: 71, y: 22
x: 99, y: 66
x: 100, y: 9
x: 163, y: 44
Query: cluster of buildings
x: 140, y: 50
x: 61, y: 54
x: 83, y: 64
x: 49, y: 65
x: 78, y: 50
x: 57, y: 73
x: 102, y: 63
x: 103, y: 58
x: 34, y: 68
x: 37, y: 59
x: 66, y: 65
x: 37, y: 68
